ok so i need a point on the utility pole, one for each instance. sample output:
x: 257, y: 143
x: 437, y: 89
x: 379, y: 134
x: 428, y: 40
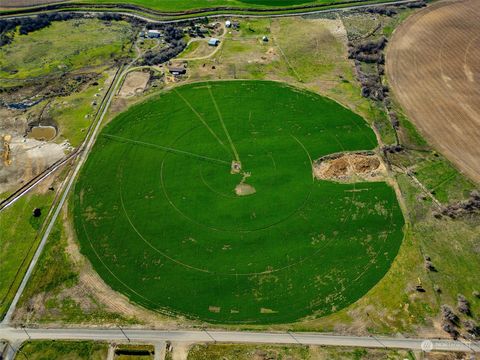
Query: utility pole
x: 24, y: 329
x: 123, y: 332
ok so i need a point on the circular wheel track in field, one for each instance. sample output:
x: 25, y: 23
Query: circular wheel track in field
x: 433, y: 67
x: 315, y: 249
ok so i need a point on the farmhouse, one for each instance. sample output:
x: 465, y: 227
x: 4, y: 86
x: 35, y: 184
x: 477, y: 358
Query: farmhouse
x: 213, y: 42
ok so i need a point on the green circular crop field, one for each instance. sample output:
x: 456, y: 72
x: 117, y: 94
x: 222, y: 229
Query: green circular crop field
x: 201, y: 202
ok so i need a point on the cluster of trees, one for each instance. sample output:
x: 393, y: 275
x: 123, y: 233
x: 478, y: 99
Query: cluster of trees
x: 469, y: 206
x: 472, y: 328
x: 394, y: 119
x: 369, y: 52
x: 451, y: 321
x: 6, y: 34
x: 392, y: 149
x: 163, y: 55
x: 29, y: 24
x: 381, y: 11
x: 173, y: 34
x: 417, y: 4
x: 110, y: 17
x: 372, y: 86
x: 196, y: 31
x: 463, y: 305
x: 176, y: 44
x: 429, y: 264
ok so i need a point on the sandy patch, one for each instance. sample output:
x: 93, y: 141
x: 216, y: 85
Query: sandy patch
x: 28, y: 158
x: 135, y: 83
x: 350, y: 167
x: 180, y: 351
x: 244, y: 190
x: 267, y: 311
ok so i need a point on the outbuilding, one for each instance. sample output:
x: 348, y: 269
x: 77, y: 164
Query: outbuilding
x: 153, y: 33
x: 177, y: 70
x: 213, y: 42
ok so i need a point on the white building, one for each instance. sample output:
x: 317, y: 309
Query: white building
x: 153, y: 33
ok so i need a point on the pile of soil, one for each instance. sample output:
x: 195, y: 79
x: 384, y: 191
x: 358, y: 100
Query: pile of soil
x: 348, y: 167
x: 243, y: 189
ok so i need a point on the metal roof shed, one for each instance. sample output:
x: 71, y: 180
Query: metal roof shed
x: 213, y: 42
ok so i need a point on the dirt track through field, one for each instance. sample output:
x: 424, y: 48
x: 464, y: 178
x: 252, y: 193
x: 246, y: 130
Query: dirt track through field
x: 433, y: 66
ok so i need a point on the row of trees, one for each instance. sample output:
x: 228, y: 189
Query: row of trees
x: 29, y: 24
x: 372, y: 86
x: 382, y: 11
x: 369, y: 52
x: 469, y: 206
x: 164, y: 55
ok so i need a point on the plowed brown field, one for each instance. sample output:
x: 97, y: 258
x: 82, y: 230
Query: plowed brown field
x: 433, y: 66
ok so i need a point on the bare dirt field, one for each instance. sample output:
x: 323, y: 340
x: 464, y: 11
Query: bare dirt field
x: 433, y: 66
x: 27, y: 157
x: 135, y: 83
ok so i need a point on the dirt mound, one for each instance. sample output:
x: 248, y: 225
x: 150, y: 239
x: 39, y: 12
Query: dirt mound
x: 244, y: 189
x: 348, y: 167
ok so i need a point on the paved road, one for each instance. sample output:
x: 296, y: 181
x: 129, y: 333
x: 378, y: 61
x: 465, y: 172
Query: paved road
x: 16, y: 335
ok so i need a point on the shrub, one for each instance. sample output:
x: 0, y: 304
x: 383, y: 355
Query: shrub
x: 448, y: 314
x: 463, y: 305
